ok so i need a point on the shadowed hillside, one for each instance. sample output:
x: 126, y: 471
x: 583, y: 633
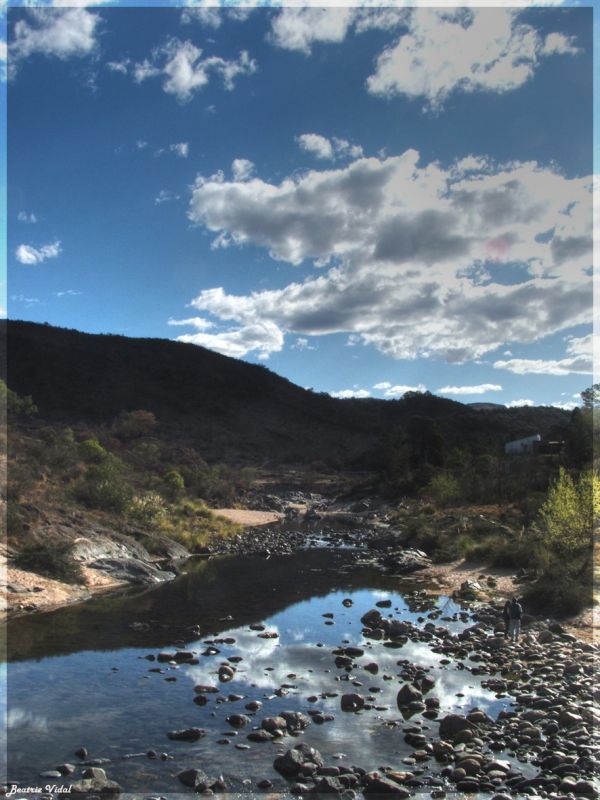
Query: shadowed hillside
x: 230, y: 410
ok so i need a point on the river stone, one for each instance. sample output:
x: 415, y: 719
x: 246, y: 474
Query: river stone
x: 295, y: 720
x: 452, y: 724
x: 66, y: 769
x: 260, y: 736
x: 586, y: 788
x: 89, y: 786
x: 408, y: 694
x: 352, y: 702
x: 375, y: 784
x: 51, y: 773
x: 273, y: 724
x: 328, y: 785
x: 187, y: 735
x: 372, y: 618
x: 238, y: 720
x: 253, y: 705
x: 226, y: 673
x: 289, y: 764
x: 201, y: 689
x: 194, y: 777
x: 97, y: 773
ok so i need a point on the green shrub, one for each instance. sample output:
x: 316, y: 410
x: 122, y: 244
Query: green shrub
x: 50, y: 559
x: 443, y: 488
x: 103, y: 487
x: 134, y: 424
x: 174, y: 485
x: 59, y: 447
x: 559, y: 595
x: 146, y: 509
x: 92, y: 452
x: 569, y: 512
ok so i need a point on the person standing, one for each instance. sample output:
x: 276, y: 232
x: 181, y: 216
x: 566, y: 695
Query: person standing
x: 506, y: 618
x: 515, y: 612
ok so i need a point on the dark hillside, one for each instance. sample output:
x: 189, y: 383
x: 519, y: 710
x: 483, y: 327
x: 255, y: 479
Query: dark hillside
x: 231, y: 410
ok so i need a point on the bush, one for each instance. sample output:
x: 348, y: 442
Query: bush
x: 443, y: 488
x: 103, y: 487
x: 174, y: 485
x: 146, y: 509
x: 559, y: 595
x: 51, y: 560
x: 134, y: 424
x: 60, y: 447
x: 568, y: 514
x: 92, y: 452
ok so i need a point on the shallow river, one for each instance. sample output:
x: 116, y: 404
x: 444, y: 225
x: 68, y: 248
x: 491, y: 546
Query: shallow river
x: 78, y: 676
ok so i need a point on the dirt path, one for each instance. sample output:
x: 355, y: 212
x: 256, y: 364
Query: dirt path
x: 248, y: 518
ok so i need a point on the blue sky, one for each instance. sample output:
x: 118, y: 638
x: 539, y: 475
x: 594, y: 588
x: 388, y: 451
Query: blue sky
x: 366, y: 201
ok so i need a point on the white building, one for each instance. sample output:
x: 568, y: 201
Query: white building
x: 524, y: 446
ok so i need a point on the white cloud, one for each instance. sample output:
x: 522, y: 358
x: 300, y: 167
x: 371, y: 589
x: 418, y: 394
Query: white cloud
x: 406, y: 244
x: 185, y: 72
x: 383, y: 385
x: 120, y: 66
x: 23, y: 216
x: 300, y: 28
x: 519, y: 403
x: 180, y: 149
x: 141, y: 144
x: 242, y: 169
x: 302, y: 343
x: 165, y: 196
x: 67, y: 293
x: 400, y: 390
x: 62, y: 33
x: 537, y: 366
x: 482, y: 388
x: 466, y: 50
x: 328, y: 149
x: 566, y: 406
x: 212, y: 16
x: 347, y: 394
x: 318, y: 145
x: 262, y: 338
x: 199, y: 323
x: 26, y: 254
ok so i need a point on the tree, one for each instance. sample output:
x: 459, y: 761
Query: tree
x: 568, y: 516
x: 134, y: 424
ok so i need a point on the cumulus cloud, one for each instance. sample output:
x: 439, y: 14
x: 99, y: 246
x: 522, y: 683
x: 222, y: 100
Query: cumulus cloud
x: 241, y: 169
x: 262, y: 337
x: 184, y: 70
x: 299, y: 28
x: 399, y: 390
x: 539, y: 366
x: 328, y: 149
x: 212, y: 16
x: 482, y: 388
x: 29, y: 255
x: 62, y: 33
x: 466, y: 50
x: 519, y: 403
x: 199, y: 323
x: 348, y: 394
x: 406, y: 244
x: 180, y: 149
x: 302, y: 343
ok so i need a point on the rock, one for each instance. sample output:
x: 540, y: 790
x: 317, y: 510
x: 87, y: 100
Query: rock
x: 371, y: 619
x: 260, y: 736
x: 352, y: 702
x: 585, y: 788
x: 295, y: 720
x: 66, y: 769
x: 187, y: 735
x: 408, y: 694
x: 238, y: 720
x: 289, y: 764
x: 89, y: 787
x: 194, y: 777
x: 81, y: 753
x: 253, y: 705
x: 374, y: 784
x: 51, y: 773
x: 226, y: 673
x: 452, y: 724
x: 273, y: 724
x: 97, y: 773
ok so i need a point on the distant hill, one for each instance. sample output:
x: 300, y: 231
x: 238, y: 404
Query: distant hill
x: 485, y: 406
x: 230, y: 410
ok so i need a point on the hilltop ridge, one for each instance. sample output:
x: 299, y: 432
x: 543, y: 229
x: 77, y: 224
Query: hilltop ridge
x: 230, y: 410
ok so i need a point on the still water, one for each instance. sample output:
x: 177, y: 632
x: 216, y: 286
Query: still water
x: 79, y: 676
